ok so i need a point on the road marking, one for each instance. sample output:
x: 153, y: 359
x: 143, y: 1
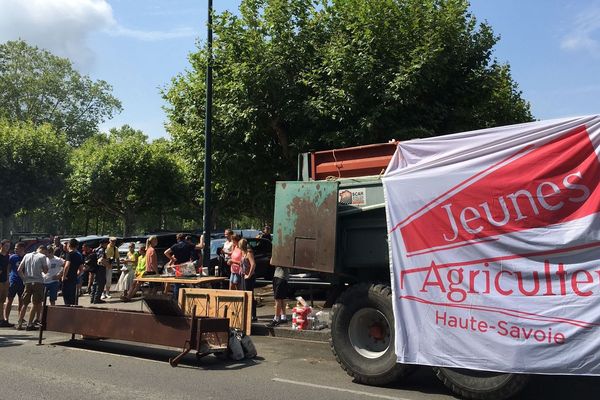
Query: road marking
x: 380, y: 396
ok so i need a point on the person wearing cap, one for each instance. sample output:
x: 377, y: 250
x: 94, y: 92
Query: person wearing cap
x: 112, y: 255
x: 52, y: 277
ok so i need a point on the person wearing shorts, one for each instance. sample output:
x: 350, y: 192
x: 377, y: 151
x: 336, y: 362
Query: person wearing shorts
x: 32, y: 270
x: 280, y: 292
x: 16, y: 286
x: 52, y: 278
x: 235, y: 265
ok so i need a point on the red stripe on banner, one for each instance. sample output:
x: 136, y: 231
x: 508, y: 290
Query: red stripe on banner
x: 520, y: 193
x: 452, y: 247
x: 507, y: 257
x: 463, y: 183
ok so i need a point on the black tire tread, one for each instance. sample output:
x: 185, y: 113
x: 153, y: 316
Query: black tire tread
x: 514, y: 385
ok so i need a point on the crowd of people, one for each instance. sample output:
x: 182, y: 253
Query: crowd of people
x: 28, y: 276
x: 60, y: 268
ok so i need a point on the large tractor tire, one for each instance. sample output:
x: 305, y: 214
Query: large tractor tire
x: 362, y: 335
x: 482, y: 385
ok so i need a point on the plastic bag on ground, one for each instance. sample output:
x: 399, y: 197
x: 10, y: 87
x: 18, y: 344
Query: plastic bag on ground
x: 236, y: 352
x: 248, y: 346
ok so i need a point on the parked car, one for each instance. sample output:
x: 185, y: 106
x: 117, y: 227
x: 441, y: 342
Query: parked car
x: 165, y: 241
x: 32, y: 240
x: 91, y: 240
x: 247, y: 233
x: 31, y: 244
x: 124, y: 247
x: 215, y: 246
x: 262, y: 254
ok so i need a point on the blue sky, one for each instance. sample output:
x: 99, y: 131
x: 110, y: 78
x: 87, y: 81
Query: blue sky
x: 553, y: 47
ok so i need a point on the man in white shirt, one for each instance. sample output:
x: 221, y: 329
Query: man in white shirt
x: 32, y: 270
x: 52, y: 277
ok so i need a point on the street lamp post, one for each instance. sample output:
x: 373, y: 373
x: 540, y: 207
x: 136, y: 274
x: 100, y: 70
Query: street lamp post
x: 207, y: 142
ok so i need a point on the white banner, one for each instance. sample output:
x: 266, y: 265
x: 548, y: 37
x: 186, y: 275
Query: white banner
x: 495, y: 248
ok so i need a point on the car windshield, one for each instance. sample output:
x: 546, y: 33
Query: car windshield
x: 214, y: 245
x: 124, y: 248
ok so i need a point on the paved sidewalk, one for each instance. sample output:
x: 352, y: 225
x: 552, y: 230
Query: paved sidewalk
x: 265, y: 310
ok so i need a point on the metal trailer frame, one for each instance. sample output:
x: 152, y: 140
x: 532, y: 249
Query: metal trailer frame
x: 189, y: 333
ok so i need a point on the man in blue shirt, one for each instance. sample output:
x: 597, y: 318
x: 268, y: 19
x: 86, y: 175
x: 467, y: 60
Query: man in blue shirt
x: 181, y: 252
x: 4, y: 261
x: 16, y: 286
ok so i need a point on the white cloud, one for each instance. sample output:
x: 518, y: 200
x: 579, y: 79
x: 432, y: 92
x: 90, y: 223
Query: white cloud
x: 63, y: 26
x: 152, y: 35
x: 585, y: 34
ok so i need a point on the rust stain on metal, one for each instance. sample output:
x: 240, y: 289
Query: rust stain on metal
x: 280, y: 235
x: 310, y: 242
x: 134, y: 326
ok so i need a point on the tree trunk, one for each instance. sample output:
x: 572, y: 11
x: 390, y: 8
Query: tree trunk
x: 87, y: 223
x: 282, y: 138
x: 5, y: 222
x: 128, y: 222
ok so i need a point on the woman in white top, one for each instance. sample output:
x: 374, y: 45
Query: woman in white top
x: 126, y: 279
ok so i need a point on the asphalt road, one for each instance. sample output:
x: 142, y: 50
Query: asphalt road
x: 285, y: 369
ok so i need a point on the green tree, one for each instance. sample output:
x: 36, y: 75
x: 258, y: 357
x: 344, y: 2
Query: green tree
x: 34, y: 161
x: 122, y: 175
x: 299, y: 75
x: 40, y: 87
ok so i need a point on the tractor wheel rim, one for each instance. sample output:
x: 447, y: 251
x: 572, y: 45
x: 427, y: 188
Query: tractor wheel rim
x: 369, y: 333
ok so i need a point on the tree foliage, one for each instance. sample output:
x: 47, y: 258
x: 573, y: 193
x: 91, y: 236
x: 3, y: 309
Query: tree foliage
x: 122, y: 175
x: 33, y: 160
x: 300, y: 75
x: 40, y: 87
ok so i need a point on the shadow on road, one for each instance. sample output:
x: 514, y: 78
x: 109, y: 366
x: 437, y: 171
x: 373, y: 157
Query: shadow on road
x: 556, y: 387
x: 160, y: 354
x: 15, y: 340
x: 560, y: 387
x: 422, y: 380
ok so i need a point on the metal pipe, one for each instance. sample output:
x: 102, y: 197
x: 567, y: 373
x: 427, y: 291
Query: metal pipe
x: 208, y: 142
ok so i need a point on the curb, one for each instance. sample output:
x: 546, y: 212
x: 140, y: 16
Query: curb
x: 259, y: 329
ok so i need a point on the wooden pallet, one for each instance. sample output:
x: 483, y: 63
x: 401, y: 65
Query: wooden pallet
x: 233, y: 304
